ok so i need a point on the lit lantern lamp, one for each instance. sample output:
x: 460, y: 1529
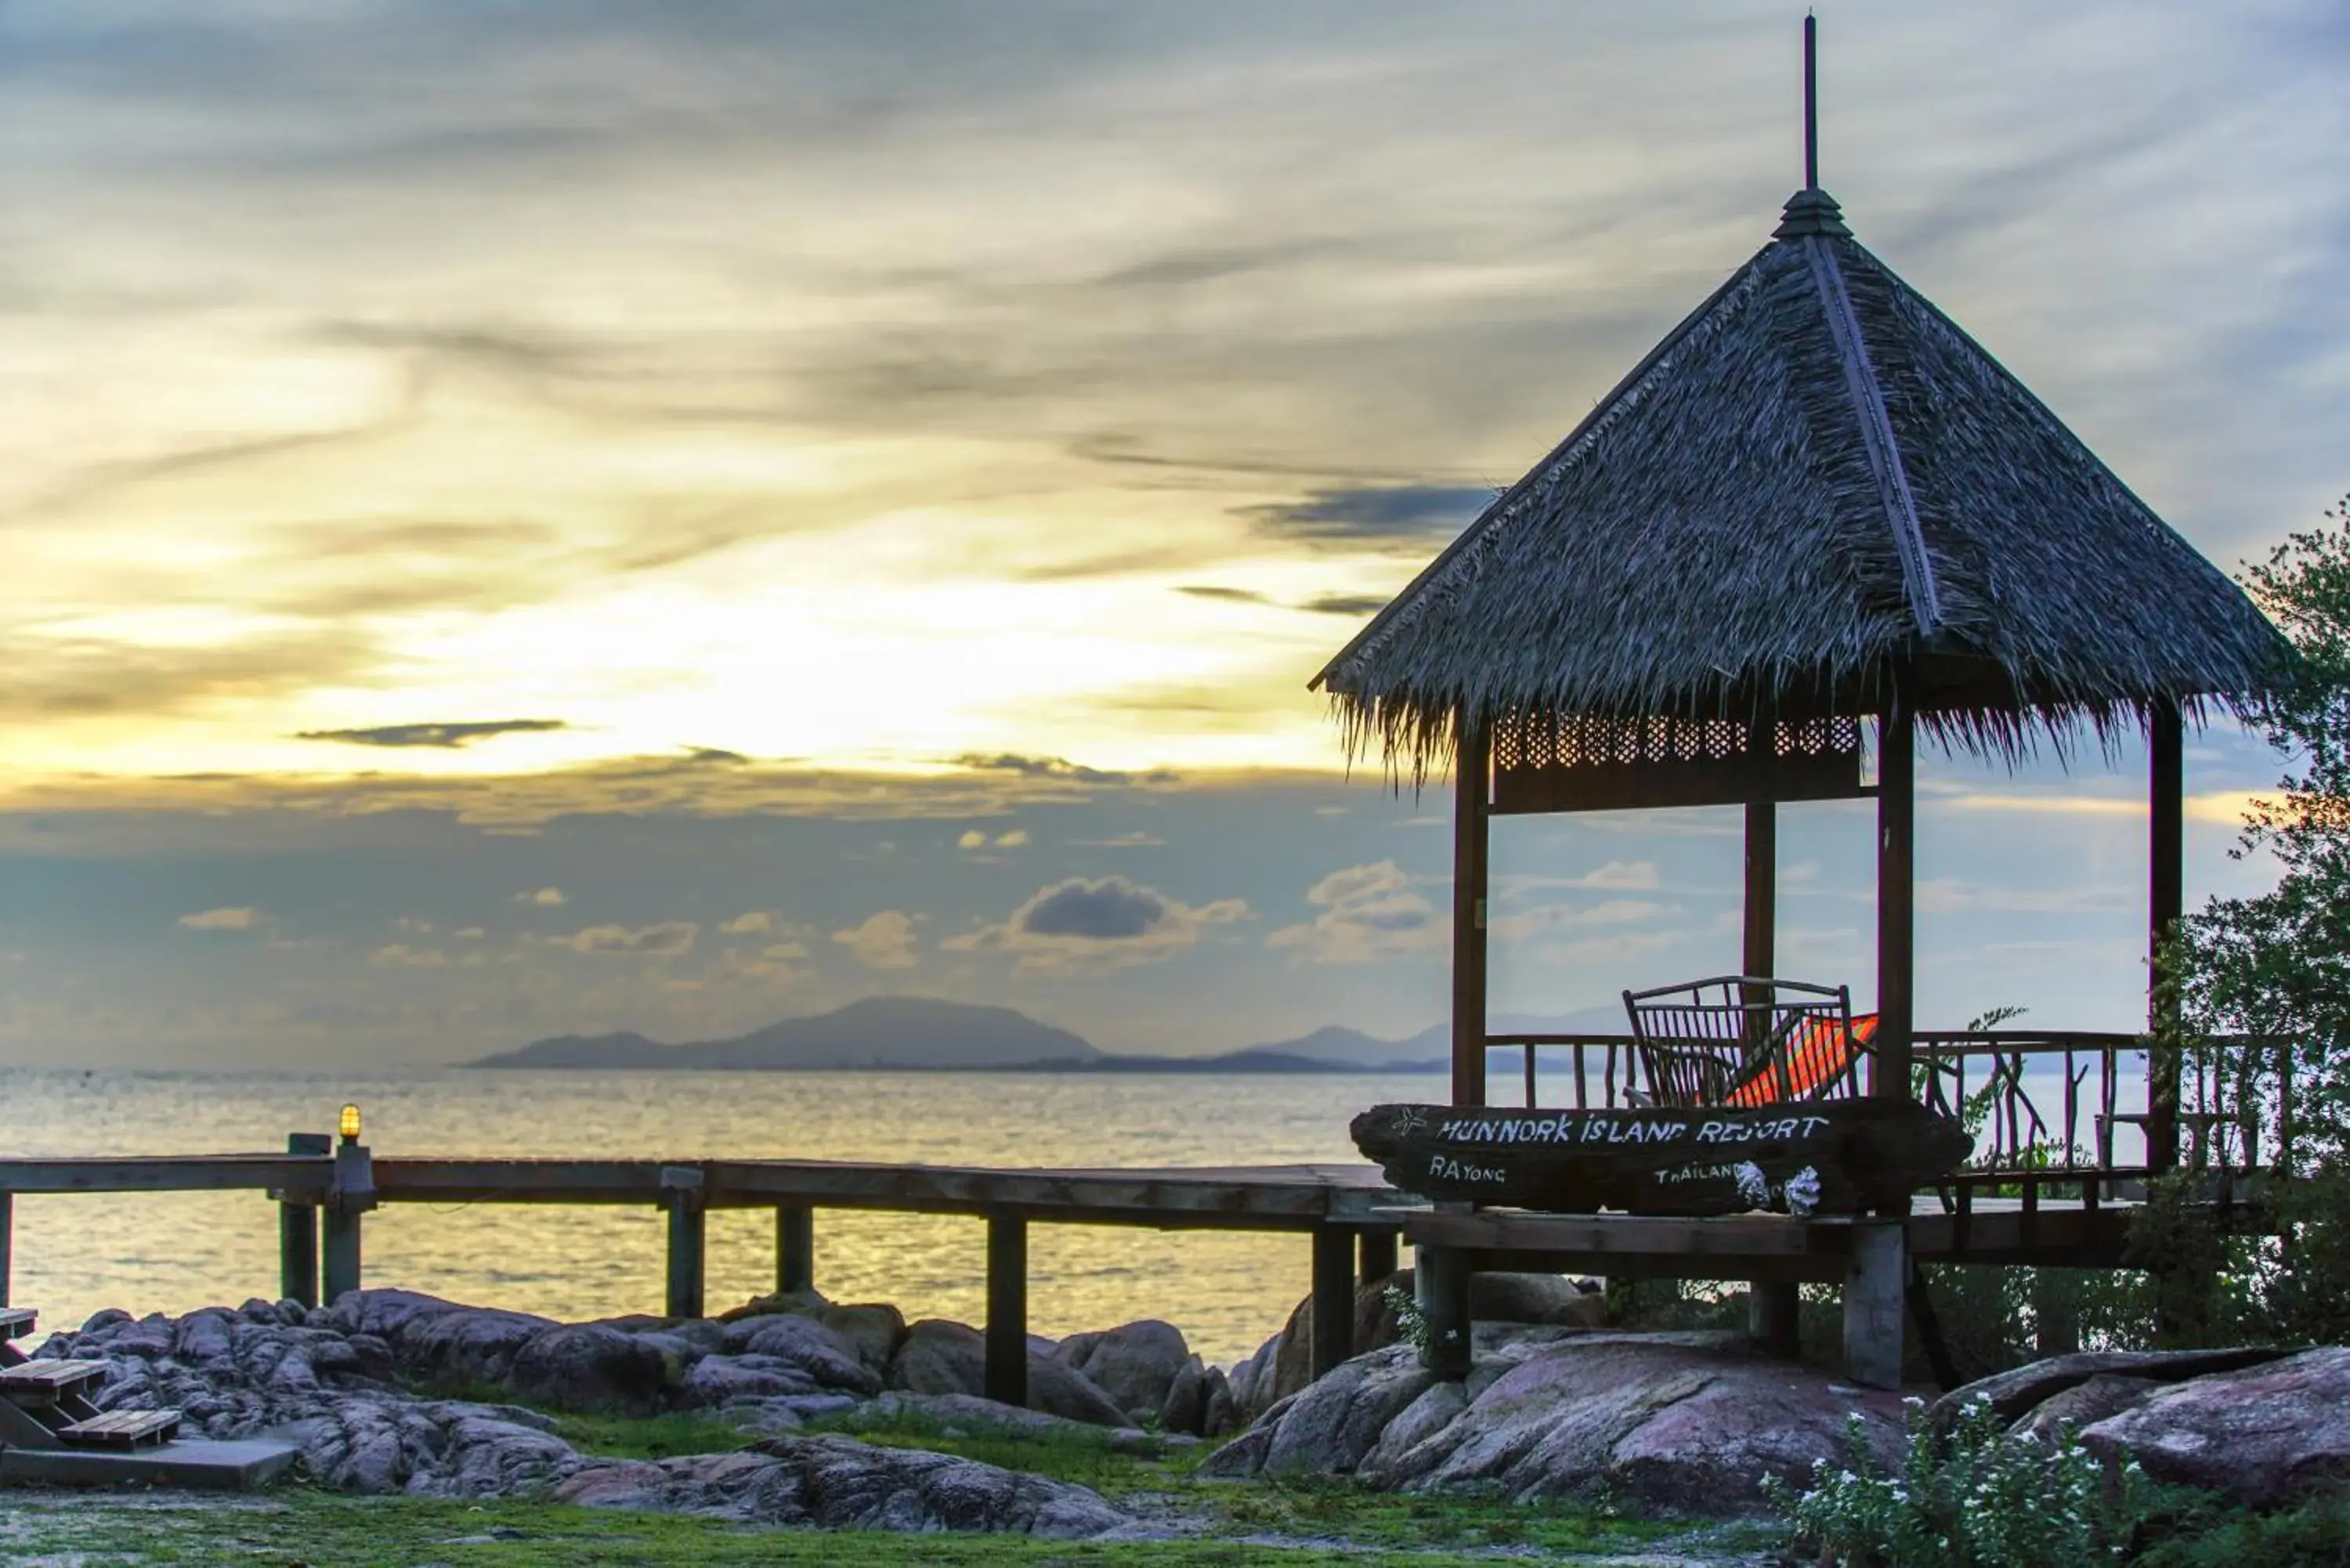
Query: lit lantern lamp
x: 349, y: 1124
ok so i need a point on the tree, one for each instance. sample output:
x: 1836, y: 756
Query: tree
x: 2262, y: 984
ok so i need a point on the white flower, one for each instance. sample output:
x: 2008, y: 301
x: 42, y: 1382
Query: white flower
x: 1803, y: 1191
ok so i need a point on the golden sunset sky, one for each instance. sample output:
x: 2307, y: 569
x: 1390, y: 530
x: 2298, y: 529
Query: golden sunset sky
x: 444, y: 435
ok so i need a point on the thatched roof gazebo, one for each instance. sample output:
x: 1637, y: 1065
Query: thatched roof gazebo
x: 1817, y: 501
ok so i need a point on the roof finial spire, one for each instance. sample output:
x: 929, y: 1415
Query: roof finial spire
x: 1810, y: 210
x: 1811, y: 101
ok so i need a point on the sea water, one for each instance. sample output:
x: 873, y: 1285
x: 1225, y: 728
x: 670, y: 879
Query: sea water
x: 173, y: 1251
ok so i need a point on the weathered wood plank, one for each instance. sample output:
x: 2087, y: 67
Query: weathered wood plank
x: 1839, y: 1156
x: 171, y: 1173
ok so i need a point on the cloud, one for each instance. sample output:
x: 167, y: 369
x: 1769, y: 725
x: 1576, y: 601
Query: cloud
x: 1055, y: 768
x: 1615, y: 877
x: 1368, y: 912
x: 1138, y: 839
x: 400, y: 955
x: 444, y: 736
x: 1608, y: 913
x: 1086, y: 924
x: 1230, y: 595
x: 412, y: 926
x: 973, y: 838
x: 1346, y: 604
x: 544, y: 898
x: 884, y: 941
x: 1011, y: 840
x: 669, y: 938
x: 746, y: 923
x: 1407, y: 515
x: 225, y: 919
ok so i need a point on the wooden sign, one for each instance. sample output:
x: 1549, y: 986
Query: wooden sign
x: 1834, y: 1156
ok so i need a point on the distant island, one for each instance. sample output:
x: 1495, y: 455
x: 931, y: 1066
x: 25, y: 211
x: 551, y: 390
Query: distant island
x: 924, y: 1035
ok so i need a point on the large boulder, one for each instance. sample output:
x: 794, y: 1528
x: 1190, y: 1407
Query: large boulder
x: 1326, y: 1428
x: 829, y: 1360
x: 942, y: 1357
x: 1669, y: 1420
x: 1283, y: 1365
x: 2263, y: 1435
x: 2016, y: 1393
x: 1135, y: 1364
x: 589, y: 1366
x: 841, y: 1483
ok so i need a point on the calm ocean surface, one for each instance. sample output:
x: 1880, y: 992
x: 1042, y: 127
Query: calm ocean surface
x: 172, y: 1251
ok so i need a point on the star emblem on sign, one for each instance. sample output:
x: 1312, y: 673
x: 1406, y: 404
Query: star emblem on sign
x: 1410, y: 1122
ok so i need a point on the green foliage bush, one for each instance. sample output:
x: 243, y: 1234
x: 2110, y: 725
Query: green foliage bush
x: 1972, y: 1498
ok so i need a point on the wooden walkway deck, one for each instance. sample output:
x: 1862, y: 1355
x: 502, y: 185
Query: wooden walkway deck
x: 1353, y: 1220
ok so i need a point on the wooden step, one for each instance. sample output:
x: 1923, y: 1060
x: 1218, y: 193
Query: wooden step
x: 122, y: 1429
x: 15, y: 1323
x: 47, y: 1380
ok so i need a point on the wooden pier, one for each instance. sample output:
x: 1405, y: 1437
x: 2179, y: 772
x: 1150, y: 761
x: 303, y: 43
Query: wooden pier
x: 1347, y: 1212
x: 1352, y: 1219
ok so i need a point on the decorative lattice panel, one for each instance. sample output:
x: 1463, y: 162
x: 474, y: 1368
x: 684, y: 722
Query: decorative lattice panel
x: 1584, y: 763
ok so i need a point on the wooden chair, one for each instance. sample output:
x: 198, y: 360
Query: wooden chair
x: 1745, y: 1040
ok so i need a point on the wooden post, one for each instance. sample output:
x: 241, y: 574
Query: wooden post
x: 297, y: 1230
x: 1775, y: 1317
x: 1897, y: 924
x: 351, y: 1195
x: 7, y: 1243
x: 1005, y: 1380
x: 1876, y: 1289
x: 1471, y: 795
x: 1440, y: 1290
x: 795, y: 1249
x: 1334, y: 1298
x: 1377, y: 1251
x: 682, y: 1195
x: 341, y: 1252
x: 2166, y: 745
x: 1773, y: 1308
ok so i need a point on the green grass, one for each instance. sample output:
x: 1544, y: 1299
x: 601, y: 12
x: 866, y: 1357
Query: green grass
x: 307, y: 1527
x: 1298, y: 1523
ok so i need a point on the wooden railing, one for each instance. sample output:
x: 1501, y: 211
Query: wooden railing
x: 2048, y: 1107
x: 324, y: 1187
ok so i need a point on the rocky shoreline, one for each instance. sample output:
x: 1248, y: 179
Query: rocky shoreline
x: 389, y: 1391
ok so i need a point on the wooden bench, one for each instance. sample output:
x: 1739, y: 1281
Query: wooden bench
x: 15, y: 1323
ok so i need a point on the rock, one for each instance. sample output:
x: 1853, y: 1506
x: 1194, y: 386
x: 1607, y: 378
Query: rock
x: 1136, y: 1364
x: 2013, y: 1393
x: 1557, y: 1413
x: 958, y: 1414
x: 873, y: 1329
x: 942, y: 1357
x: 840, y: 1483
x: 2085, y: 1405
x: 1547, y: 1299
x: 1283, y: 1363
x: 1329, y: 1426
x: 1185, y: 1407
x: 775, y: 1305
x: 829, y: 1361
x: 724, y: 1379
x: 1223, y: 1414
x: 588, y: 1367
x: 2264, y: 1434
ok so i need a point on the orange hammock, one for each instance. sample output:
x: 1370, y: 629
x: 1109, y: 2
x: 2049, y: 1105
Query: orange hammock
x: 1816, y: 1052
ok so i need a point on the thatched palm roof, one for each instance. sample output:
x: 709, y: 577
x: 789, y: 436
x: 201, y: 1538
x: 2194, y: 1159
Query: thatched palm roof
x: 1816, y: 486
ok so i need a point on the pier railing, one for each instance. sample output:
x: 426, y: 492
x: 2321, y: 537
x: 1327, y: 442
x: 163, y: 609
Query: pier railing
x: 325, y: 1186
